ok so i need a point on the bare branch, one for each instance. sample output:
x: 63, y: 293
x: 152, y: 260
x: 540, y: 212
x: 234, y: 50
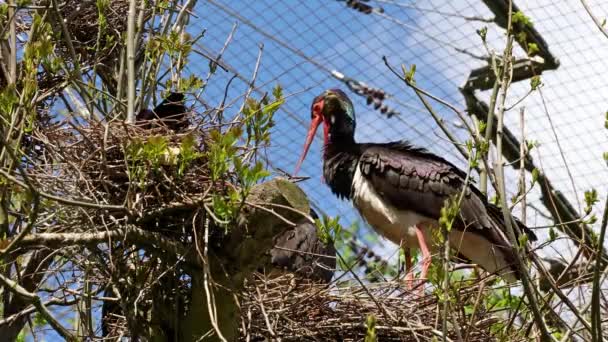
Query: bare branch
x: 596, y: 317
x: 35, y: 300
x: 595, y: 19
x: 131, y: 61
x: 128, y: 233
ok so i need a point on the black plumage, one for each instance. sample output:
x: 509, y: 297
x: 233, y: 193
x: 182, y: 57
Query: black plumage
x: 411, y: 178
x: 171, y: 112
x: 392, y: 182
x: 299, y: 250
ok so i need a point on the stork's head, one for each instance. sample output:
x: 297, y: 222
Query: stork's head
x: 175, y: 97
x: 337, y: 113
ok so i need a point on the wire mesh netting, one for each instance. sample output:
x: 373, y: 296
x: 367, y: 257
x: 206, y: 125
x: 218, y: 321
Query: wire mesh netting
x: 309, y: 45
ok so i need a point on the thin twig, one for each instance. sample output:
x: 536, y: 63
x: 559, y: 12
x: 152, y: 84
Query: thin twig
x: 596, y: 317
x: 261, y: 303
x: 522, y: 166
x: 131, y: 61
x: 499, y: 170
x: 595, y: 20
x: 207, y: 284
x: 438, y: 119
x: 37, y: 302
x: 483, y: 181
x: 12, y: 62
x: 253, y: 77
x: 71, y: 202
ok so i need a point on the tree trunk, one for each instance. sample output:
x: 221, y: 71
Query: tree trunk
x: 243, y: 252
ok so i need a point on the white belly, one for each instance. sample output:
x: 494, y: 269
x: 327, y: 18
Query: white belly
x: 396, y: 225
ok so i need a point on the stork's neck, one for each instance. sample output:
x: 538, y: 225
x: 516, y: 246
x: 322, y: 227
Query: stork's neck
x: 340, y: 159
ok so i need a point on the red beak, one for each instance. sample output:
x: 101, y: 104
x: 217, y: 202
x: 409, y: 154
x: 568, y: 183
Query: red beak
x: 317, y: 118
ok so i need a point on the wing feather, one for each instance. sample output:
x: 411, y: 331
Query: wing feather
x: 414, y: 179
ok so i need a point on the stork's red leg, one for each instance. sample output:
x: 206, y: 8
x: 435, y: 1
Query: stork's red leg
x: 426, y: 254
x: 409, y: 272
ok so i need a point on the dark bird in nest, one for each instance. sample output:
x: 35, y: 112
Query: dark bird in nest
x: 400, y: 191
x: 171, y: 112
x: 299, y: 250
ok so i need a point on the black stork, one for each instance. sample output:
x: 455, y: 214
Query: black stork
x: 171, y: 112
x: 300, y: 250
x: 400, y: 189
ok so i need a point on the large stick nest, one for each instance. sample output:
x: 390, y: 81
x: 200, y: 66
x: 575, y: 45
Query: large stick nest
x: 293, y: 309
x: 95, y: 42
x: 110, y: 163
x: 105, y: 164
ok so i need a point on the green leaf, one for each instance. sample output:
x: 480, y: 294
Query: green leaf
x: 3, y: 11
x: 521, y: 37
x: 482, y: 32
x: 277, y: 92
x: 591, y: 198
x: 191, y: 83
x: 328, y: 225
x: 532, y: 49
x: 469, y: 145
x: 520, y: 18
x: 102, y: 5
x: 39, y: 320
x: 482, y: 127
x: 409, y: 76
x: 187, y: 154
x: 8, y: 100
x: 523, y: 240
x: 535, y: 82
x: 448, y: 213
x: 535, y: 175
x: 484, y: 147
x: 530, y: 144
x: 594, y: 237
x: 370, y: 324
x: 552, y: 234
x: 273, y: 107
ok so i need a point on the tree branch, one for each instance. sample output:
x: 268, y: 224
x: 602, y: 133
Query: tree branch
x: 35, y: 300
x: 130, y: 234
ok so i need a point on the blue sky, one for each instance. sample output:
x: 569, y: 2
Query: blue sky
x: 352, y: 43
x: 339, y: 38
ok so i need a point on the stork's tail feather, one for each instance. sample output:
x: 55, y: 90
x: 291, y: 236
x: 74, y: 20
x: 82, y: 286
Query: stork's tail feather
x: 497, y: 216
x: 511, y: 272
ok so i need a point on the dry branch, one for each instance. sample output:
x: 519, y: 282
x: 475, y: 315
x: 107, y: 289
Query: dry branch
x: 298, y: 310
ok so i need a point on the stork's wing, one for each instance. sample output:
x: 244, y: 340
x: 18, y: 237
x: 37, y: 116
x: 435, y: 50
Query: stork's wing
x: 413, y: 179
x: 300, y: 250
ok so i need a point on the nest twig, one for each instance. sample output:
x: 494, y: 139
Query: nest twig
x: 99, y: 158
x: 293, y: 309
x: 93, y: 49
